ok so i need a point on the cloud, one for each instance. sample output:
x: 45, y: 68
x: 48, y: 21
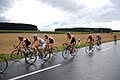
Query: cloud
x: 3, y: 19
x: 4, y: 6
x: 66, y: 5
x: 51, y: 14
x: 84, y: 14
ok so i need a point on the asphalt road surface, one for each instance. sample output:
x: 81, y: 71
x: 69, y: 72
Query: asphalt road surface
x: 103, y: 64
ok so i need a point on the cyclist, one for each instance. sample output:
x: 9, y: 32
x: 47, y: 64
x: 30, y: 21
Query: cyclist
x: 71, y: 41
x: 39, y: 42
x: 115, y: 38
x: 98, y: 39
x: 49, y: 41
x: 90, y: 40
x: 25, y: 42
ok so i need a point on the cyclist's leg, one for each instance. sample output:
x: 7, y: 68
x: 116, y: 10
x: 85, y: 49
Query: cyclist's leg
x: 43, y: 47
x: 73, y: 47
x: 100, y: 42
x: 51, y: 44
x: 47, y: 45
x: 50, y: 47
x: 25, y: 47
x: 90, y: 46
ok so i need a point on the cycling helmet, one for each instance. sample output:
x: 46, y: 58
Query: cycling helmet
x: 35, y: 36
x: 68, y: 33
x: 97, y: 34
x: 20, y: 36
x: 45, y: 35
x: 90, y: 34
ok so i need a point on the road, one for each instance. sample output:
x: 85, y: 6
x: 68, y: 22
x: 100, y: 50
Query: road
x: 101, y: 65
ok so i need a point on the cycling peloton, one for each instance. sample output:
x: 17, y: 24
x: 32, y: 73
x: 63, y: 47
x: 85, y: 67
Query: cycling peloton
x: 71, y: 41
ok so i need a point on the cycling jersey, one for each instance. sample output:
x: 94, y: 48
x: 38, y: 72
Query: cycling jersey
x: 73, y: 40
x: 51, y: 39
x: 41, y: 42
x: 98, y: 38
x: 27, y: 42
x: 115, y: 37
x: 91, y: 39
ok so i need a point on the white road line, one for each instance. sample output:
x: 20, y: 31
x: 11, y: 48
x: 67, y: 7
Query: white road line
x: 22, y: 76
x: 106, y: 49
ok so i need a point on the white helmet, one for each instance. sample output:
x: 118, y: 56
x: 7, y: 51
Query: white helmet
x: 97, y: 34
x: 90, y: 34
x: 35, y: 36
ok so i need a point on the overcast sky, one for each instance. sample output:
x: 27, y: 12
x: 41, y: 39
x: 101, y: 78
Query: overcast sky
x: 52, y: 14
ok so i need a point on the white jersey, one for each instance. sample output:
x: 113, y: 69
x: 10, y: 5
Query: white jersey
x: 41, y: 41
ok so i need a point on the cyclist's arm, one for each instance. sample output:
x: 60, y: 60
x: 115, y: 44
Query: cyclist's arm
x: 96, y: 39
x: 32, y: 43
x: 87, y: 40
x: 66, y: 40
x: 20, y: 44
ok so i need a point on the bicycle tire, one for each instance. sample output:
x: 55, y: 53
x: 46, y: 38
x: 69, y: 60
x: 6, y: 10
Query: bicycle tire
x: 75, y: 52
x: 55, y: 50
x: 87, y: 49
x: 47, y: 55
x: 3, y: 67
x: 65, y: 53
x: 93, y: 48
x: 30, y: 58
x: 16, y: 55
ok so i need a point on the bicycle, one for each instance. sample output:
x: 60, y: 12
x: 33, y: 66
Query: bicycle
x: 98, y: 45
x: 89, y: 48
x: 39, y: 54
x: 68, y: 50
x: 54, y: 50
x: 3, y: 64
x: 115, y: 41
x: 16, y: 55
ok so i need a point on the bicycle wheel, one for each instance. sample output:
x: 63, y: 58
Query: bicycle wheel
x: 93, y: 48
x: 47, y: 55
x: 74, y: 52
x: 98, y: 47
x: 30, y: 58
x: 87, y: 49
x: 65, y: 53
x: 16, y: 55
x: 3, y: 64
x: 55, y: 50
x: 115, y: 42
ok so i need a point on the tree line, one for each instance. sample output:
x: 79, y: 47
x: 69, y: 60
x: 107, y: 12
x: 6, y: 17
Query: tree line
x: 17, y: 26
x: 96, y: 30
